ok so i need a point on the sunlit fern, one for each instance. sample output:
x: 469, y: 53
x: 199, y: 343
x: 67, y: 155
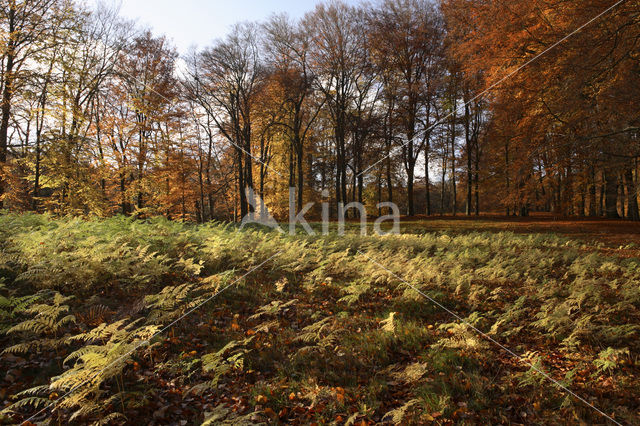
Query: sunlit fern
x: 217, y: 364
x: 319, y: 336
x: 45, y: 325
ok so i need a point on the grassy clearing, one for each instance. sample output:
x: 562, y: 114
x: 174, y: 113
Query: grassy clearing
x: 320, y: 333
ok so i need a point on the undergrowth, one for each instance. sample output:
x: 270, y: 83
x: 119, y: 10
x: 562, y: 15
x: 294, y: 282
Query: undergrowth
x: 118, y: 318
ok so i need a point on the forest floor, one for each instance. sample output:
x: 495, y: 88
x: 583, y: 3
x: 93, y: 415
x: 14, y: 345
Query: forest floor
x: 611, y: 232
x: 455, y: 321
x: 608, y: 230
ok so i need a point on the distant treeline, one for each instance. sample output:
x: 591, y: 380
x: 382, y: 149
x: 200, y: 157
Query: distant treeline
x: 457, y: 106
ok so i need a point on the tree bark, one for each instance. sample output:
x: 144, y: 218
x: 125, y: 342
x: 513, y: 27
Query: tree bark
x: 454, y: 193
x: 508, y: 183
x: 300, y: 172
x: 611, y: 195
x: 389, y: 179
x: 632, y: 196
x: 6, y: 100
x: 241, y: 187
x: 467, y: 123
x: 426, y: 178
x: 476, y: 179
x: 411, y: 208
x: 592, y: 193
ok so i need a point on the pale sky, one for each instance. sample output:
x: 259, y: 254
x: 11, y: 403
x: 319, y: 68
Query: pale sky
x: 199, y: 22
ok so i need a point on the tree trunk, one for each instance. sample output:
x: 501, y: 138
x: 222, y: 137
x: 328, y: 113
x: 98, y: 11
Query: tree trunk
x: 426, y: 178
x: 632, y: 196
x: 411, y: 208
x: 6, y: 100
x: 338, y: 184
x: 211, y: 206
x: 611, y: 195
x: 508, y: 183
x: 292, y: 171
x: 201, y: 218
x: 454, y: 192
x: 242, y: 195
x: 389, y: 180
x: 300, y: 171
x: 467, y: 135
x: 592, y: 194
x: 601, y: 189
x: 248, y: 179
x: 123, y: 196
x: 36, y: 180
x: 476, y: 178
x: 442, y: 184
x: 379, y: 193
x: 410, y: 169
x: 360, y: 185
x: 343, y: 179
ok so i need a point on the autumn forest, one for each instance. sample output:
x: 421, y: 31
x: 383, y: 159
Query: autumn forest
x: 398, y: 101
x: 499, y: 139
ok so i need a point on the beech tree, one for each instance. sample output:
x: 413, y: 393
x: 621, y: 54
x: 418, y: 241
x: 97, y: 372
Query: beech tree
x: 408, y: 42
x: 334, y: 58
x: 356, y: 103
x: 570, y: 145
x: 287, y: 45
x: 146, y: 68
x: 229, y: 80
x: 27, y: 28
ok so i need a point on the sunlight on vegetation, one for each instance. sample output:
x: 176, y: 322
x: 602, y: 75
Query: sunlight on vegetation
x: 331, y: 212
x: 318, y: 333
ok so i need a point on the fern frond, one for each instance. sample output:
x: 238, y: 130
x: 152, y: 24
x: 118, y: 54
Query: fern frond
x: 111, y: 418
x: 398, y: 415
x: 274, y: 308
x: 32, y: 402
